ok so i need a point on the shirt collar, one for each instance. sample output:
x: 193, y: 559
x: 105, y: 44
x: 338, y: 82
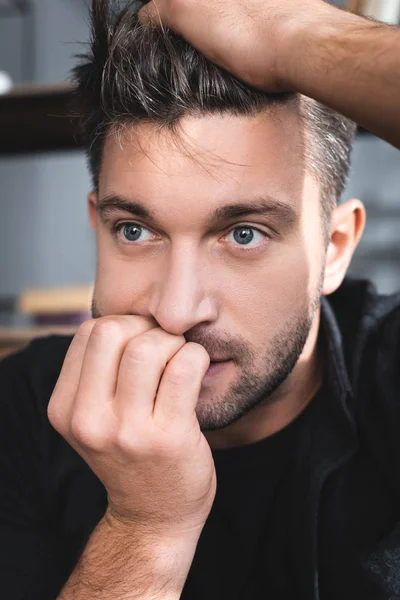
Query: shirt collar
x: 328, y: 440
x: 335, y: 369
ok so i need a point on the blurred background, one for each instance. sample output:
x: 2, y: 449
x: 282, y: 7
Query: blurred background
x: 47, y: 248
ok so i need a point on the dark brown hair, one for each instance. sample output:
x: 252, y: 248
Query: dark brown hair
x: 137, y: 72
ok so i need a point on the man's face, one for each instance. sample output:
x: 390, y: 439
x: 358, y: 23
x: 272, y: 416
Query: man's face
x: 224, y: 245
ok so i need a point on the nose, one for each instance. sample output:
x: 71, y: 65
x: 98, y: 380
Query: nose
x: 182, y: 297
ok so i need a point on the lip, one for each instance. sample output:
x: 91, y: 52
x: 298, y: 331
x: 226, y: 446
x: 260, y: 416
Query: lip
x: 216, y: 367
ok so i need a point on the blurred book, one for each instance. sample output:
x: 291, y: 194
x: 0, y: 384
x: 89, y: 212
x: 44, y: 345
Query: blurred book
x: 57, y: 306
x: 13, y: 339
x: 50, y: 310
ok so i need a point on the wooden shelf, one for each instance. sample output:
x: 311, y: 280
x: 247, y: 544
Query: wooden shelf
x: 22, y: 335
x: 13, y: 339
x: 36, y: 118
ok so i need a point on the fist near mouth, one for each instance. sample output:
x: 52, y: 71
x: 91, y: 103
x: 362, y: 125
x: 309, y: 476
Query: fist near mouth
x: 125, y: 400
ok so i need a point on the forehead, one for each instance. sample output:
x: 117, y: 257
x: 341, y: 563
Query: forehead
x: 208, y: 160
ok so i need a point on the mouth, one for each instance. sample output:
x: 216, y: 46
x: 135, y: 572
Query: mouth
x: 216, y: 366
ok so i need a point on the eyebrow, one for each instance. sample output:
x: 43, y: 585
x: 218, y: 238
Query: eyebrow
x: 261, y: 205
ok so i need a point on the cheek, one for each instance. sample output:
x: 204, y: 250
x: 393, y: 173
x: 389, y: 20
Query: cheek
x: 268, y: 296
x: 122, y: 285
x: 254, y: 297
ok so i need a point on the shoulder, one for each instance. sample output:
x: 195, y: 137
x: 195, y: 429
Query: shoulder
x: 27, y: 440
x: 358, y: 305
x: 369, y: 323
x: 33, y: 371
x: 370, y: 326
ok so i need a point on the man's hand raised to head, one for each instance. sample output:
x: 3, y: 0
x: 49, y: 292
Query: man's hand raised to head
x: 344, y: 61
x: 125, y: 401
x: 249, y: 38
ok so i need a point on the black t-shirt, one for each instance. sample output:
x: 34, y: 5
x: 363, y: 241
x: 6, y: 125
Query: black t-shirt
x: 243, y: 550
x: 50, y: 501
x: 323, y: 494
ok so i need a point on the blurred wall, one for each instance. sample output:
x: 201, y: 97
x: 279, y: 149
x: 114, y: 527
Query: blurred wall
x: 375, y: 179
x: 45, y: 237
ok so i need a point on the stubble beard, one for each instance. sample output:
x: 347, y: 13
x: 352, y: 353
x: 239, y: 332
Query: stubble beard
x: 255, y: 386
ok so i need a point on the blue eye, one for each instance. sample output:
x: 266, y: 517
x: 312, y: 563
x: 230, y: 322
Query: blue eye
x: 244, y: 235
x: 131, y: 232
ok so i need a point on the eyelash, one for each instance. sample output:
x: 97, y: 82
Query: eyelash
x: 117, y: 227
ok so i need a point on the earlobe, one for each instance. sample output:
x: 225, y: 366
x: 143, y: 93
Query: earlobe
x: 92, y: 204
x: 347, y: 226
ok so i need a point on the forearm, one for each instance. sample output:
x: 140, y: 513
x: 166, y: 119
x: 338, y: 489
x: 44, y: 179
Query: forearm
x: 352, y: 65
x: 126, y: 565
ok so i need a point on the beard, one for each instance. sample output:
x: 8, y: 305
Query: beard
x: 258, y: 381
x: 260, y: 377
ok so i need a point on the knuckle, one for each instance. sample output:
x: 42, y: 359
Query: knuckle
x: 107, y: 327
x: 189, y: 360
x: 54, y: 416
x: 141, y: 349
x: 197, y: 353
x: 126, y: 442
x: 85, y: 329
x: 181, y: 371
x: 87, y: 433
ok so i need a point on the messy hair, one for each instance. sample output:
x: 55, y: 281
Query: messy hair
x: 135, y: 73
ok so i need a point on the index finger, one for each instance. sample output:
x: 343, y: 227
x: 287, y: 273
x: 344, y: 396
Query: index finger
x: 65, y: 389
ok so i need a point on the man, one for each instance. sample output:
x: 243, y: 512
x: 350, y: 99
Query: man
x: 226, y: 426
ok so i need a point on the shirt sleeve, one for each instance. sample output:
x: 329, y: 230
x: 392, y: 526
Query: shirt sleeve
x: 30, y: 545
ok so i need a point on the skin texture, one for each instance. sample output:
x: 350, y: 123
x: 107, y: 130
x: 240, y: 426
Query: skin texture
x: 246, y: 38
x: 133, y: 397
x: 151, y: 457
x: 344, y: 61
x: 191, y: 277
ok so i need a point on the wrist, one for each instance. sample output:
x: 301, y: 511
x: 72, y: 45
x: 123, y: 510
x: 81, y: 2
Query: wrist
x: 122, y: 560
x: 309, y: 43
x: 161, y: 534
x: 169, y: 553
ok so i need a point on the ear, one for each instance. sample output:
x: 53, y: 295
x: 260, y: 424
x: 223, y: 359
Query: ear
x: 347, y: 226
x: 92, y: 203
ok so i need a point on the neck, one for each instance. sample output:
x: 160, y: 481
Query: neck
x: 286, y: 403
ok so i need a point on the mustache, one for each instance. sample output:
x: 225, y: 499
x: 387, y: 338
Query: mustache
x: 219, y: 344
x: 223, y: 346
